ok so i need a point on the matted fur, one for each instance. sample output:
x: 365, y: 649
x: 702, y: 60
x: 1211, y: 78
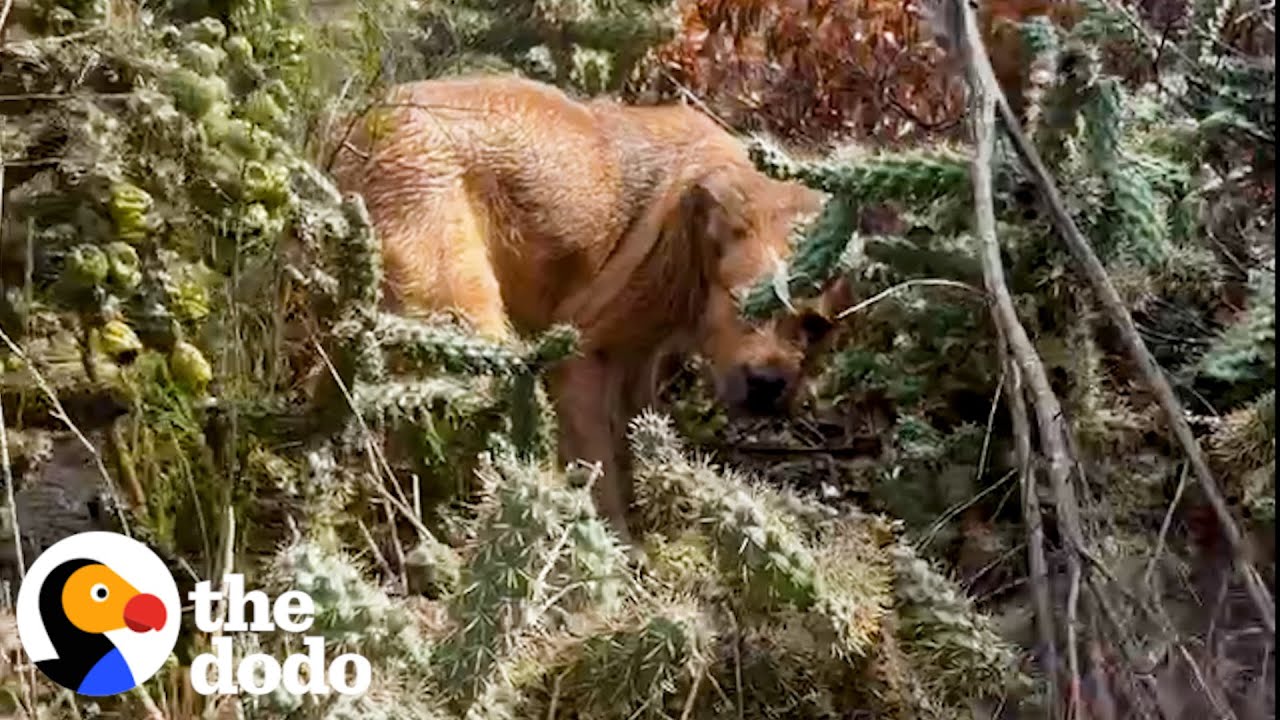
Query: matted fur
x: 517, y: 207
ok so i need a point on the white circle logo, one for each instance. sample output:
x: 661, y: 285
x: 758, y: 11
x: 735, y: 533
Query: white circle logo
x: 98, y: 613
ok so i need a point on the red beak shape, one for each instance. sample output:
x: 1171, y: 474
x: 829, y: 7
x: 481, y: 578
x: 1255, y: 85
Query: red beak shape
x: 144, y: 612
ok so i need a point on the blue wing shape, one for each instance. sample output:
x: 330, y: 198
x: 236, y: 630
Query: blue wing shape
x: 109, y: 676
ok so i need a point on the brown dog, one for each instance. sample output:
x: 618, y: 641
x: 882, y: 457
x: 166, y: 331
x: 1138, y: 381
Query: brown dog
x: 518, y: 207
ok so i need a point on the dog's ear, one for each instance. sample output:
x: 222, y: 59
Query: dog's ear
x: 712, y: 205
x: 837, y: 297
x: 818, y: 323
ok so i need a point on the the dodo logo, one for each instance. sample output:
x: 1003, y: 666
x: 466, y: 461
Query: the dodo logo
x: 98, y: 613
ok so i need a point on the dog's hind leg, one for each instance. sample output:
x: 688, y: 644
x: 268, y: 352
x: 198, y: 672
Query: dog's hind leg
x: 437, y: 260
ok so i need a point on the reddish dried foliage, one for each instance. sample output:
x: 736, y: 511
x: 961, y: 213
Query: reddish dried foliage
x: 814, y: 71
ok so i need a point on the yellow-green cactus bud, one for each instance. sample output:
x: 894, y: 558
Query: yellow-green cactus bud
x: 119, y: 341
x: 242, y: 139
x: 217, y: 122
x: 256, y: 219
x: 202, y: 58
x: 189, y: 366
x: 195, y: 94
x: 268, y: 184
x: 129, y: 208
x: 207, y: 30
x: 125, y: 270
x: 189, y: 300
x: 262, y: 109
x: 239, y: 49
x: 280, y: 92
x: 87, y: 266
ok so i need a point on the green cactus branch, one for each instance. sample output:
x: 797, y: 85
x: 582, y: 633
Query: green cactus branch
x: 411, y: 401
x: 917, y: 176
x: 629, y: 669
x: 540, y: 548
x: 815, y: 261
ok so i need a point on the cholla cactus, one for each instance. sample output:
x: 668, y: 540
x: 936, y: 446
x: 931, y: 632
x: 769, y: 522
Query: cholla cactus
x: 1104, y: 123
x: 1040, y: 39
x: 856, y: 180
x: 412, y: 401
x: 630, y: 668
x: 351, y: 613
x: 588, y: 45
x: 1246, y: 439
x: 763, y: 543
x: 450, y: 347
x: 540, y: 550
x: 755, y: 547
x: 1245, y: 351
x: 1244, y: 447
x: 954, y: 650
x: 816, y: 260
x: 919, y: 176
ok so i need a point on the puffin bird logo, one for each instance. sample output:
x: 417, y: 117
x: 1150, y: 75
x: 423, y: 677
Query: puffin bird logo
x: 91, y: 628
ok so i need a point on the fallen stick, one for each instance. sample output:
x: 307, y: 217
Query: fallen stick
x: 1026, y: 363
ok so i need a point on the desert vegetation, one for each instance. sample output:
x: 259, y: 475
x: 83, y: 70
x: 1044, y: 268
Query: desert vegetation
x: 1035, y: 477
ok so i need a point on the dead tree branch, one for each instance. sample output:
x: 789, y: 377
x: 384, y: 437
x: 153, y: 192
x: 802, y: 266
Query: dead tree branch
x: 984, y: 94
x: 1036, y: 563
x: 1139, y: 355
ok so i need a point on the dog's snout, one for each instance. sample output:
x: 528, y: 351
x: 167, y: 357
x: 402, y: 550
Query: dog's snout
x: 766, y: 389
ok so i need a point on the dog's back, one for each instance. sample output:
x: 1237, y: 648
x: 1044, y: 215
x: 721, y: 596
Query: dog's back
x: 498, y: 186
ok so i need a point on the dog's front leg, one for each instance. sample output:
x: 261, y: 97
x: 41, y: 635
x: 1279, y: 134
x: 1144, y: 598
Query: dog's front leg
x: 587, y: 395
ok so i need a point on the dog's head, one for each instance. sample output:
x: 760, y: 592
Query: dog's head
x: 746, y: 221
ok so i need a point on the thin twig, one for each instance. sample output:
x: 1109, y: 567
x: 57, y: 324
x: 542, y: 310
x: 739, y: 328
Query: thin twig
x: 4, y: 15
x: 153, y: 711
x: 28, y: 681
x: 9, y: 494
x: 379, y: 487
x: 1164, y: 529
x: 693, y: 695
x: 373, y: 548
x: 991, y: 423
x: 737, y: 665
x: 398, y: 548
x: 228, y: 559
x: 931, y: 533
x: 1223, y: 709
x: 555, y: 694
x: 903, y: 286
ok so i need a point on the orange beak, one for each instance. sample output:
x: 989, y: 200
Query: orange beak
x: 144, y: 612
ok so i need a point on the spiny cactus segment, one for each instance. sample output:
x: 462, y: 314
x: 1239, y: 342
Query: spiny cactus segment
x: 539, y: 550
x: 914, y: 176
x: 631, y: 670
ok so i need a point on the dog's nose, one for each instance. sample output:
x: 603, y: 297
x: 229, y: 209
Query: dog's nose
x: 766, y: 388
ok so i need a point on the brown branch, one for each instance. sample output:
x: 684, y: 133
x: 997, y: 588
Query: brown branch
x: 4, y: 16
x: 984, y: 92
x: 1141, y: 358
x: 1036, y: 563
